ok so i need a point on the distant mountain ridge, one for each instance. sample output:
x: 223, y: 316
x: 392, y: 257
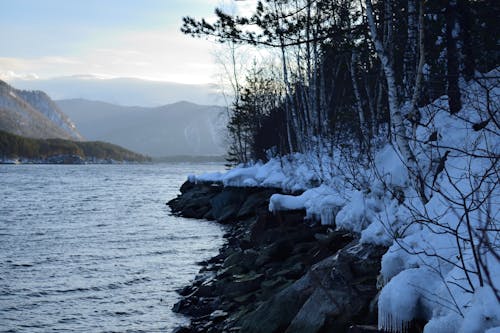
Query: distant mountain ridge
x: 182, y: 128
x: 33, y: 114
x: 123, y: 90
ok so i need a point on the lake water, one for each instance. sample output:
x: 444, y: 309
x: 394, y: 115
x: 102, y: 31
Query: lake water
x: 92, y: 248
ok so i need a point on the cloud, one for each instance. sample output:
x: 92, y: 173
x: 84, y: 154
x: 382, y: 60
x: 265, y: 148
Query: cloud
x: 165, y: 55
x: 10, y: 75
x: 118, y: 49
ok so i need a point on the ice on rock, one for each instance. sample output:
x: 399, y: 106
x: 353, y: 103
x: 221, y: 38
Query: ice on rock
x: 213, y: 177
x: 443, y: 324
x: 320, y: 202
x: 376, y: 233
x: 354, y: 216
x: 484, y: 312
x: 238, y: 176
x: 404, y: 299
x: 285, y: 202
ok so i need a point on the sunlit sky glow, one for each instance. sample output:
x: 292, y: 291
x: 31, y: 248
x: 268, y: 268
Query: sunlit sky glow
x: 107, y: 38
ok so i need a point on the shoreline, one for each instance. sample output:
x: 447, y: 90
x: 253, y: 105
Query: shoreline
x: 275, y: 273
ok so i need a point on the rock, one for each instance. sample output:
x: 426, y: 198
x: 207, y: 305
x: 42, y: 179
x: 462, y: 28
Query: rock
x: 186, y: 290
x: 183, y: 329
x: 206, y: 289
x: 187, y: 186
x: 242, y: 284
x: 226, y: 204
x: 245, y: 299
x: 194, y: 201
x: 233, y: 259
x: 326, y: 298
x: 248, y: 259
x: 291, y: 217
x: 256, y: 203
x: 364, y: 329
x: 231, y: 271
x: 218, y: 315
x: 275, y: 315
x: 274, y: 252
x: 274, y: 273
x: 293, y: 272
x: 342, y: 295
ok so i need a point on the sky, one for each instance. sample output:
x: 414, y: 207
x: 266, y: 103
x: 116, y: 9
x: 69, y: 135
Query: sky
x: 105, y: 38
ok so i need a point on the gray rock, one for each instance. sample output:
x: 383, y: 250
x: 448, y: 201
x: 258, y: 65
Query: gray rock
x: 242, y: 284
x: 330, y: 296
x: 226, y: 204
x: 255, y: 203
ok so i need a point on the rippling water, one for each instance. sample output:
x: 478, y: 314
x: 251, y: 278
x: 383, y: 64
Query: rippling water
x: 92, y: 248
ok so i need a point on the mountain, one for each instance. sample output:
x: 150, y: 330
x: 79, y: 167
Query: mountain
x: 33, y: 114
x: 181, y: 128
x: 122, y: 91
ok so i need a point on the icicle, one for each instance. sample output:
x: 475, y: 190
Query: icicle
x: 389, y: 322
x: 328, y: 215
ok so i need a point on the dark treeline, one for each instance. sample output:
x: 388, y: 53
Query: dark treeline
x: 15, y: 146
x: 349, y: 71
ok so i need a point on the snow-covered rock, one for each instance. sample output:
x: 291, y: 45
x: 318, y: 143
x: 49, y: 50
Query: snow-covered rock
x: 430, y: 269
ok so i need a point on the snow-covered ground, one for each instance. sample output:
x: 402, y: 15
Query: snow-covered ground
x: 443, y: 259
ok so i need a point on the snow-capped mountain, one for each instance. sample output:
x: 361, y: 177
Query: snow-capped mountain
x: 181, y: 128
x: 33, y: 114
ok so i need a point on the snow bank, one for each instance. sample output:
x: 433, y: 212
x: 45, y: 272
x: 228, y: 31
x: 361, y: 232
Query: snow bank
x: 426, y: 261
x: 289, y: 173
x: 428, y: 271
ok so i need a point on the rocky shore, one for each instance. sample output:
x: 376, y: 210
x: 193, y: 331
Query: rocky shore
x: 276, y: 273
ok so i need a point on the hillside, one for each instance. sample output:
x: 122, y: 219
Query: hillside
x: 33, y: 114
x: 15, y: 147
x: 177, y: 129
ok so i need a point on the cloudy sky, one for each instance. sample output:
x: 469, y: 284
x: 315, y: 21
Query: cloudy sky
x: 108, y: 38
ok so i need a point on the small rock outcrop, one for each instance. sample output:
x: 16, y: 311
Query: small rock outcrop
x: 275, y: 273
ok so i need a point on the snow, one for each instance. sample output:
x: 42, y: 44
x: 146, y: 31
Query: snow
x: 291, y: 173
x: 493, y: 330
x: 320, y: 203
x: 423, y: 271
x: 402, y: 298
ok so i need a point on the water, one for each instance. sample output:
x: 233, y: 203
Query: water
x: 92, y: 248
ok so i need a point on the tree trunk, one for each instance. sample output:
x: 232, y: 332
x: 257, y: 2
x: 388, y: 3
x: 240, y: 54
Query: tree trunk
x: 452, y: 31
x: 400, y: 135
x: 411, y: 49
x: 399, y: 130
x: 357, y: 96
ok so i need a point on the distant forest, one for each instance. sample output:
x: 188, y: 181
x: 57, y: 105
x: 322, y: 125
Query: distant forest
x: 14, y: 146
x: 343, y: 72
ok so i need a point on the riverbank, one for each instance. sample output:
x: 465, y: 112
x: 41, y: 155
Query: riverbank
x: 276, y: 273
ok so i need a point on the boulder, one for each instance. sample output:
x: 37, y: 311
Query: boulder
x: 333, y: 294
x: 255, y: 203
x: 194, y: 201
x: 226, y: 204
x: 241, y: 284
